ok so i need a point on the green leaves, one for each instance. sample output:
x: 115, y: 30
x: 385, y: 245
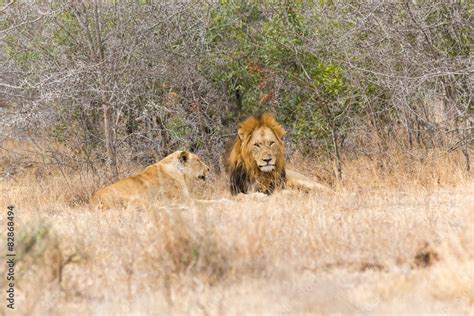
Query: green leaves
x: 262, y: 52
x: 66, y: 28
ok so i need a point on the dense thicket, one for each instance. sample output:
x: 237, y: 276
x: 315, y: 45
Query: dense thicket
x: 134, y: 79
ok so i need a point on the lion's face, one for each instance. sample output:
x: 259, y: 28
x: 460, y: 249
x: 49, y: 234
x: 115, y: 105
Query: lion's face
x: 193, y: 166
x: 264, y: 149
x: 257, y: 158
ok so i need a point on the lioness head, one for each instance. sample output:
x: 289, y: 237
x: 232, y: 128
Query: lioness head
x: 257, y: 156
x: 193, y: 166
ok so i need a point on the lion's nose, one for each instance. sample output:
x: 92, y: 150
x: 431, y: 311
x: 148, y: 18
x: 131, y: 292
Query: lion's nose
x: 267, y: 160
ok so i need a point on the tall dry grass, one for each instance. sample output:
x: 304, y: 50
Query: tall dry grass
x: 396, y: 237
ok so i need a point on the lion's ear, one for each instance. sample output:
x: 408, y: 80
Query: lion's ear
x: 279, y: 132
x: 241, y: 134
x: 183, y: 157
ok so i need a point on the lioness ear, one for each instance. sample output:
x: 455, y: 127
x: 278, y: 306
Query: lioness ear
x: 183, y: 157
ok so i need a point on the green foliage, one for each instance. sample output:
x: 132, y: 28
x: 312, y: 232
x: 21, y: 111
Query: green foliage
x: 68, y: 27
x: 20, y: 55
x: 178, y: 127
x: 258, y: 50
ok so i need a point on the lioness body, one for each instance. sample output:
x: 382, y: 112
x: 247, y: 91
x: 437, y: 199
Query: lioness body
x: 257, y: 159
x: 168, y: 180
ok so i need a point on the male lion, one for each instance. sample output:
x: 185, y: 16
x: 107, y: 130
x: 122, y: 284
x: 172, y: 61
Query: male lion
x: 257, y: 159
x: 166, y: 180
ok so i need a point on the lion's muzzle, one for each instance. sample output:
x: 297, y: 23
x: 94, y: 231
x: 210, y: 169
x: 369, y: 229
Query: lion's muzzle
x: 267, y: 168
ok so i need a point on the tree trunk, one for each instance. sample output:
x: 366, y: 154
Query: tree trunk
x: 109, y: 139
x: 467, y: 139
x: 106, y: 106
x: 336, y: 154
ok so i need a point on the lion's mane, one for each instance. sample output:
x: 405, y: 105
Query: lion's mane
x: 243, y: 169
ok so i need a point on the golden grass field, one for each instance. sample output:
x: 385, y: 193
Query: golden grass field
x: 395, y: 237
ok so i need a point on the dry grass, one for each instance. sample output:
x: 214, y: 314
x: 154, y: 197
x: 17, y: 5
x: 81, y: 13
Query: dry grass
x: 387, y: 241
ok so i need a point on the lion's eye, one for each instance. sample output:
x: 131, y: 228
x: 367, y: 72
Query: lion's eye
x: 272, y: 143
x: 257, y: 145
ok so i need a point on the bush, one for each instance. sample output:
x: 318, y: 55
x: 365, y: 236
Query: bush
x: 121, y: 79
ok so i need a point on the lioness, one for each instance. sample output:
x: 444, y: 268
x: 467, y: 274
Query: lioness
x: 257, y: 159
x: 166, y: 180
